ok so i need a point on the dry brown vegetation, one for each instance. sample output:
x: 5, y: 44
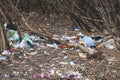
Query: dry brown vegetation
x: 36, y: 16
x: 87, y: 14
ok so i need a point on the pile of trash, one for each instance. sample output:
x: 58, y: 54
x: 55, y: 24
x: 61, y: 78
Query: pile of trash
x: 88, y: 43
x: 13, y: 37
x: 69, y: 50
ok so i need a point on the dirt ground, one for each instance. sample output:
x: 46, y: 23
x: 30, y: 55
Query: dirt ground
x: 23, y: 66
x: 108, y: 68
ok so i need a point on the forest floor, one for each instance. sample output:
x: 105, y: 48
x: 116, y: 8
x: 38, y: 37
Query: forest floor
x: 60, y: 64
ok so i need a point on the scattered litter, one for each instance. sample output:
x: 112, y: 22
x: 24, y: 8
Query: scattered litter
x: 10, y: 25
x: 12, y: 35
x: 34, y: 38
x: 40, y: 76
x: 82, y: 55
x: 74, y: 29
x: 101, y: 76
x: 80, y: 34
x: 51, y: 58
x: 33, y: 53
x: 7, y: 52
x: 72, y: 75
x: 112, y: 59
x: 51, y: 29
x: 63, y: 45
x: 106, y: 32
x: 3, y: 58
x: 110, y: 44
x: 52, y: 45
x: 63, y: 63
x: 97, y: 38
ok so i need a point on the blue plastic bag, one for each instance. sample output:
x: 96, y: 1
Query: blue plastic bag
x: 88, y: 41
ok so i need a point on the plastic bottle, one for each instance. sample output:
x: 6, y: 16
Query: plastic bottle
x: 29, y: 43
x: 28, y: 40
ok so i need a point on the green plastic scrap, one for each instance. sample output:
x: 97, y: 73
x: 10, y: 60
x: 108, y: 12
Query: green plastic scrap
x: 10, y: 33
